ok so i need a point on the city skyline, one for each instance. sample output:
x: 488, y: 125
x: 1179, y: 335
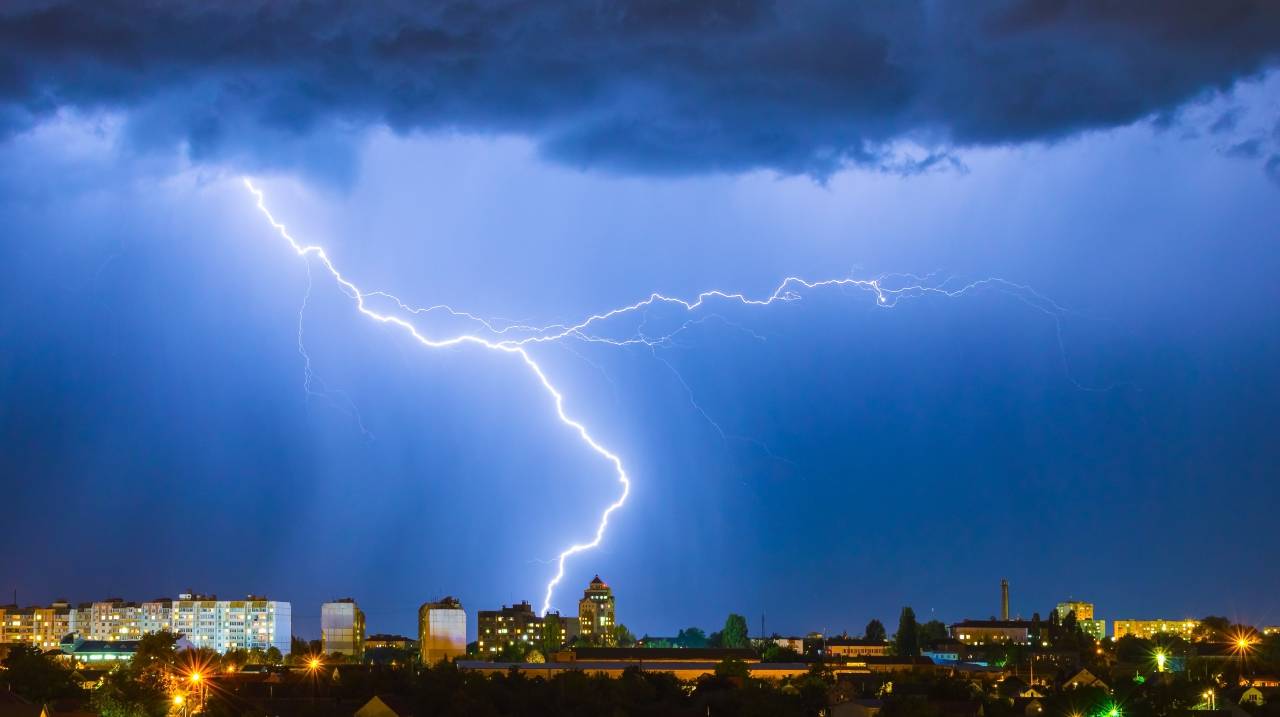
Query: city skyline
x: 351, y: 628
x: 936, y: 295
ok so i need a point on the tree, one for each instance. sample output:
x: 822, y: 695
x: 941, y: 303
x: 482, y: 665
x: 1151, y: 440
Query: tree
x: 733, y: 669
x: 907, y: 640
x: 932, y: 631
x: 128, y: 691
x: 773, y: 652
x: 551, y: 640
x: 875, y: 631
x: 156, y: 649
x: 1212, y: 627
x: 273, y: 656
x: 691, y: 637
x: 622, y: 637
x: 735, y: 633
x: 298, y: 646
x: 35, y: 676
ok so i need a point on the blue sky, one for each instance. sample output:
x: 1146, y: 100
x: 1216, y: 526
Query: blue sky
x: 822, y: 461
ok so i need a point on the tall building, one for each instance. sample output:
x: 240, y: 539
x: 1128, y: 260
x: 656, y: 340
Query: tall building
x: 596, y: 613
x: 220, y: 625
x: 442, y: 630
x: 1148, y: 629
x: 518, y: 623
x: 1004, y: 599
x: 342, y: 628
x: 1084, y: 617
x: 41, y: 627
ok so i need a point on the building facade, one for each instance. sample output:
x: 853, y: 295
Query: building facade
x: 496, y: 629
x: 991, y: 632
x: 847, y: 647
x: 42, y: 627
x: 1085, y: 618
x: 205, y: 621
x: 1148, y: 629
x: 342, y: 628
x: 442, y: 630
x: 596, y: 617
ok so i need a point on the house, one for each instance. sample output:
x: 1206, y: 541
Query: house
x: 385, y: 706
x: 857, y: 708
x: 12, y: 705
x: 1256, y: 696
x: 1084, y: 678
x: 1031, y: 707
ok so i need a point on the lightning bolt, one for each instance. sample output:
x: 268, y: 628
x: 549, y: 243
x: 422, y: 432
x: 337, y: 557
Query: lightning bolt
x: 514, y: 338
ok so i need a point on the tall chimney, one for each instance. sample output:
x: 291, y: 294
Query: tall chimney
x: 1004, y: 599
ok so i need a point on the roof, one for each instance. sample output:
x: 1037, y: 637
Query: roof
x: 854, y: 642
x: 663, y: 653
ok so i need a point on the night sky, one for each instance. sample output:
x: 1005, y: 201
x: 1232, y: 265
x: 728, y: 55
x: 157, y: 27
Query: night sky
x: 822, y: 461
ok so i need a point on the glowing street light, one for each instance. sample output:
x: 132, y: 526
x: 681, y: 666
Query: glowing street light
x: 178, y: 700
x: 313, y: 664
x: 1161, y: 657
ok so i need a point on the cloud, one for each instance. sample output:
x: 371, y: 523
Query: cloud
x: 1272, y: 168
x: 644, y: 86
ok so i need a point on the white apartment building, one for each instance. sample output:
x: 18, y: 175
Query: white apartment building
x: 204, y: 621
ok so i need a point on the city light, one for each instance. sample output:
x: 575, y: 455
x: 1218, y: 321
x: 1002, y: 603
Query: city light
x: 195, y: 676
x: 313, y: 664
x: 178, y: 700
x: 1161, y: 657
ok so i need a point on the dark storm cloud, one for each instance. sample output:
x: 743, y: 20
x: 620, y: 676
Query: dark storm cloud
x: 662, y: 86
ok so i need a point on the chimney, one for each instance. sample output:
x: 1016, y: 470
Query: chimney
x: 1004, y: 599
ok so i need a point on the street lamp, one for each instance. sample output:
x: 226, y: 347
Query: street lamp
x: 197, y: 680
x: 1161, y: 657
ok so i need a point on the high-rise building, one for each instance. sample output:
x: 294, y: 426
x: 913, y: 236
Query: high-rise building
x: 220, y: 625
x: 596, y: 613
x: 1148, y: 629
x: 342, y: 628
x: 496, y: 629
x: 1084, y: 617
x: 41, y: 627
x: 442, y: 630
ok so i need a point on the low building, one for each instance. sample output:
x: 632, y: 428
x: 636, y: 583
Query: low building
x: 993, y: 632
x: 342, y: 628
x: 944, y: 651
x: 1084, y: 678
x: 848, y: 647
x: 383, y: 641
x: 442, y: 630
x: 1150, y: 629
x: 79, y: 651
x: 795, y: 644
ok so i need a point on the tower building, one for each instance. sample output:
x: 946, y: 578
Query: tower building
x: 596, y: 613
x: 442, y: 630
x: 1004, y: 599
x: 342, y: 628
